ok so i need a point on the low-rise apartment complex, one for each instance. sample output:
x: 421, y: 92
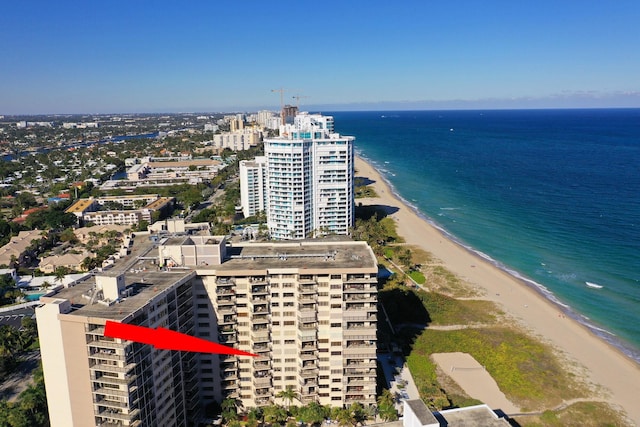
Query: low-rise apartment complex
x: 151, y: 206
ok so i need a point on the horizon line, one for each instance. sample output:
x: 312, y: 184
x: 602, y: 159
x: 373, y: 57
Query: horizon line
x: 318, y: 108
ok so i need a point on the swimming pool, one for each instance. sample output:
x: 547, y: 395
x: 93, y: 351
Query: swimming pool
x: 33, y: 297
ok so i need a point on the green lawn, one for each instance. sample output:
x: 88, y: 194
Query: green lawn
x: 526, y: 370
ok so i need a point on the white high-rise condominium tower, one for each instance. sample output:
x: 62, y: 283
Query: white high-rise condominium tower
x: 309, y: 179
x: 253, y: 176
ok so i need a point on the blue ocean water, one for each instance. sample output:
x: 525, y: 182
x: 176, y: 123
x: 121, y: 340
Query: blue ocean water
x: 552, y: 196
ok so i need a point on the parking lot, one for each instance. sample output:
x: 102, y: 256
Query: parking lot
x: 14, y: 317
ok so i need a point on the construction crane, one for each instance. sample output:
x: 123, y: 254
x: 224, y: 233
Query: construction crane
x: 298, y: 98
x: 282, y: 91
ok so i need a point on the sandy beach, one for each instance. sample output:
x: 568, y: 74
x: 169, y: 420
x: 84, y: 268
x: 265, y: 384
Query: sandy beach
x: 617, y: 376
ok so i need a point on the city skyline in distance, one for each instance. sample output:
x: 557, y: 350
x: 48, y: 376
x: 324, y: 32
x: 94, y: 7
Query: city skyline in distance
x: 167, y: 57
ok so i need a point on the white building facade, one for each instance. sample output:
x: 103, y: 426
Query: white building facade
x: 253, y: 178
x: 310, y: 171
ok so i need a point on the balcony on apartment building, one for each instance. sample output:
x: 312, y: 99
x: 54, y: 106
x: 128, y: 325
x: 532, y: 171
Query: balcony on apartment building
x: 362, y: 398
x: 110, y: 403
x: 228, y: 366
x: 308, y: 363
x: 227, y: 319
x: 226, y: 309
x: 361, y: 343
x: 262, y: 392
x: 262, y: 379
x: 261, y: 335
x: 364, y: 361
x: 99, y: 380
x: 229, y: 375
x: 369, y: 297
x: 259, y: 301
x: 308, y: 382
x: 309, y: 298
x: 229, y: 299
x: 362, y: 351
x: 307, y: 288
x: 309, y: 373
x: 308, y: 326
x: 307, y: 334
x: 308, y: 394
x: 306, y: 279
x: 227, y: 338
x: 262, y: 363
x: 360, y: 317
x: 106, y: 354
x: 358, y: 278
x: 116, y: 416
x: 308, y: 355
x: 261, y: 347
x: 257, y: 280
x: 359, y: 287
x: 110, y: 366
x: 308, y: 345
x: 228, y: 358
x: 259, y: 290
x: 354, y: 325
x: 263, y: 401
x: 225, y: 290
x: 260, y: 318
x: 367, y: 334
x: 229, y: 384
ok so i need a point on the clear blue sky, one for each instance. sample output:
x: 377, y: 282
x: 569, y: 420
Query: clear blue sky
x: 168, y: 56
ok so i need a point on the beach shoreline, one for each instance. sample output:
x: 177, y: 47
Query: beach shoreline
x: 614, y: 374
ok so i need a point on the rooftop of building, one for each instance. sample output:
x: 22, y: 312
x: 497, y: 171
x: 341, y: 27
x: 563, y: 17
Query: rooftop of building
x: 159, y: 202
x: 422, y: 412
x: 128, y: 196
x: 143, y: 281
x: 141, y: 287
x: 184, y: 163
x: 81, y: 205
x: 330, y: 252
x: 472, y: 416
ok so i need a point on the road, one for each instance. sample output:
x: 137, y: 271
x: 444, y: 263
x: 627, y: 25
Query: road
x: 204, y: 205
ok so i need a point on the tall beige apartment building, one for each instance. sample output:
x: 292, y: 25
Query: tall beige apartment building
x: 91, y: 379
x: 308, y: 309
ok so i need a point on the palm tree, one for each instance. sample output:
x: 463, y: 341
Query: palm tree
x: 60, y: 272
x: 405, y: 258
x: 9, y: 341
x: 253, y: 417
x: 274, y: 414
x: 358, y: 412
x: 313, y: 413
x: 345, y: 417
x: 229, y: 409
x: 287, y: 396
x: 386, y: 407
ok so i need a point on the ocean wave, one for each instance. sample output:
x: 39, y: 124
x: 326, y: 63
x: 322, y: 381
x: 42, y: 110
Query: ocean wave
x: 542, y: 290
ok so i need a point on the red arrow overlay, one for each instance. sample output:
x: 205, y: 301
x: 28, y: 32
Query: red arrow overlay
x: 165, y: 339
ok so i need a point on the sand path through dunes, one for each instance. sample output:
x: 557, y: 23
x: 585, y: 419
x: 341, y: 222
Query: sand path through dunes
x: 474, y: 380
x: 605, y: 366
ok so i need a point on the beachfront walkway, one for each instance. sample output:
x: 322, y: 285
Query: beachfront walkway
x: 399, y: 380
